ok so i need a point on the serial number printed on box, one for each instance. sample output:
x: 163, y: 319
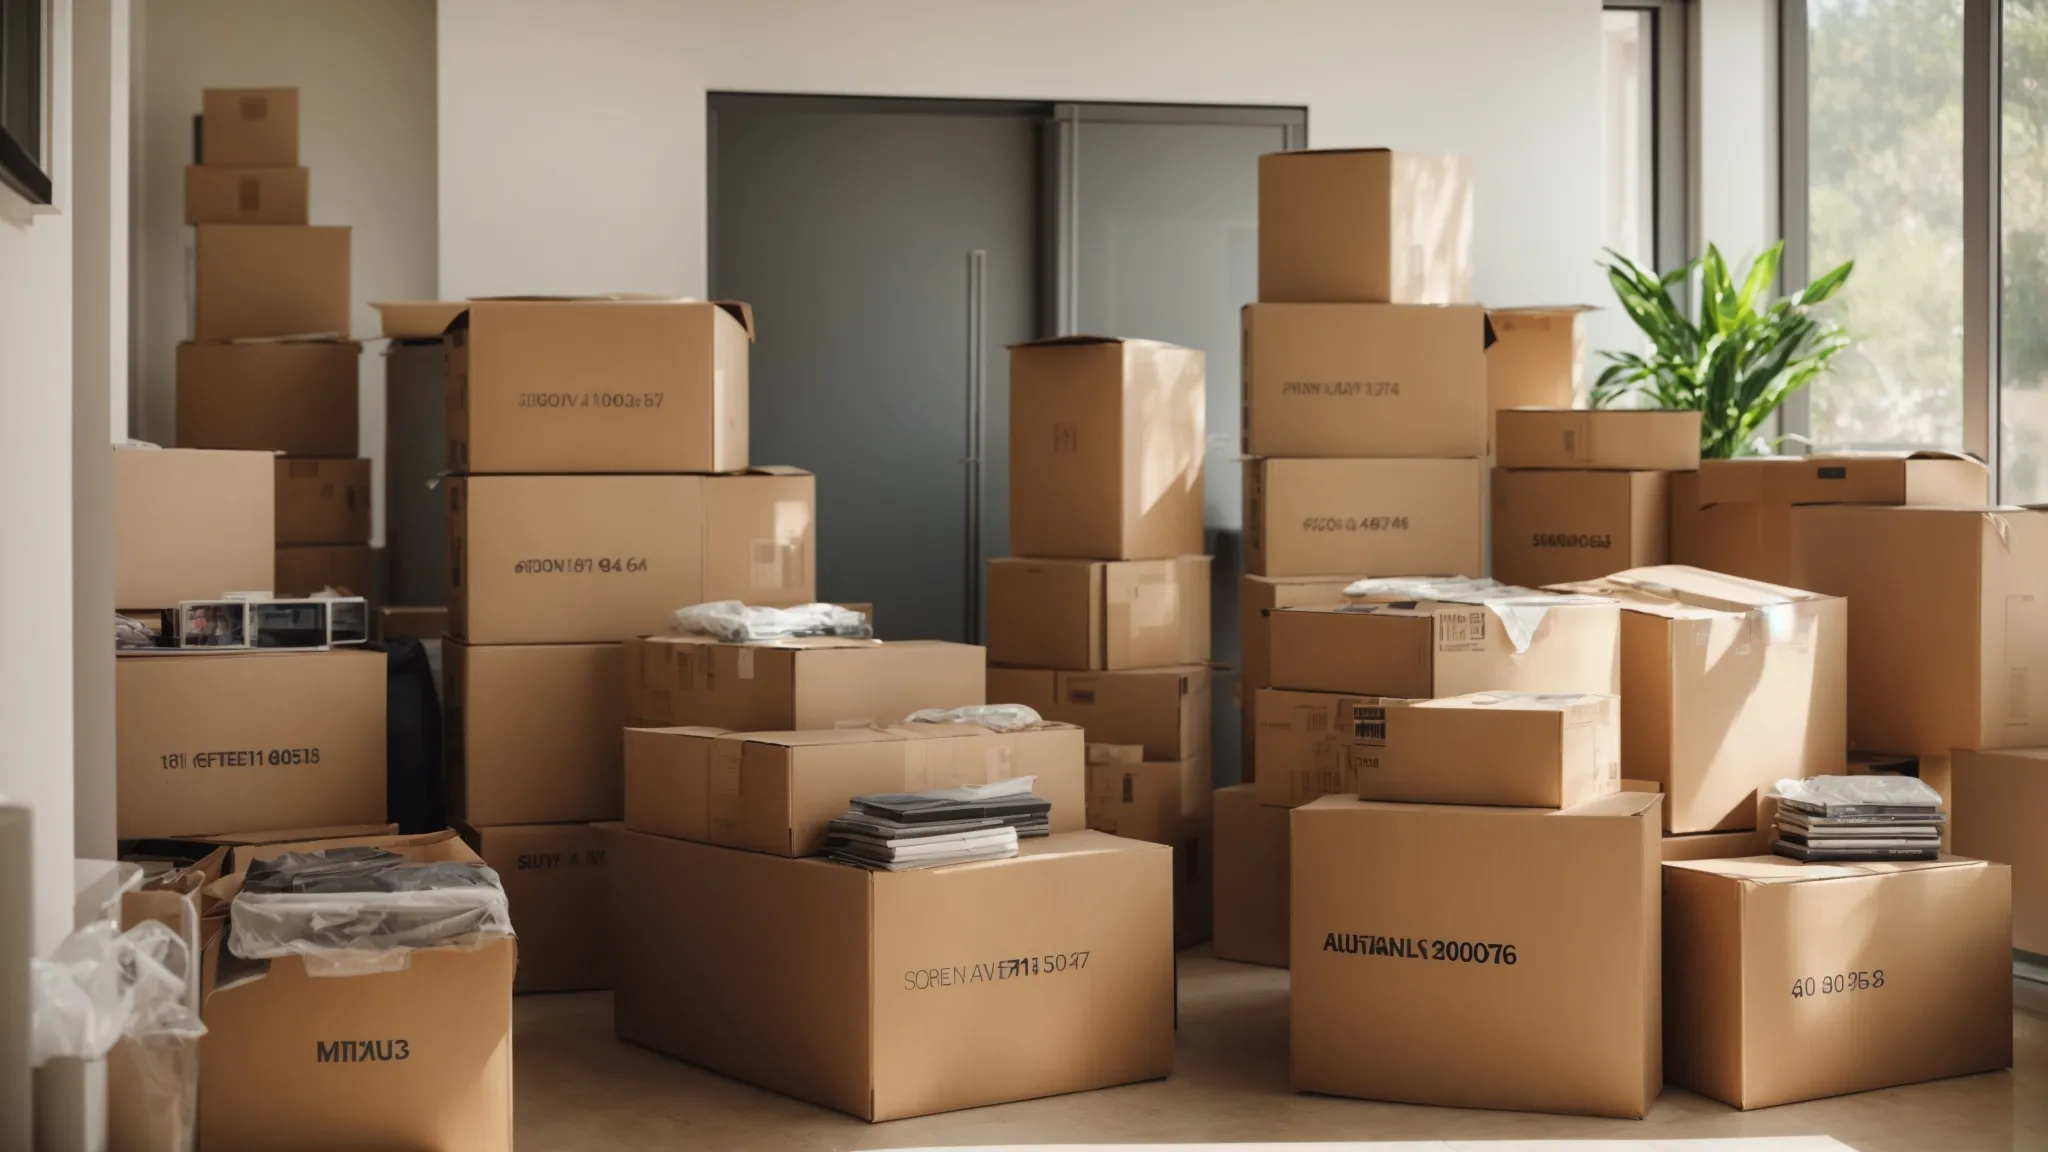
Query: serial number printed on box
x: 1830, y: 983
x: 1354, y: 524
x: 1419, y: 948
x: 1014, y: 968
x: 591, y: 399
x: 1341, y: 388
x: 578, y: 565
x: 239, y: 758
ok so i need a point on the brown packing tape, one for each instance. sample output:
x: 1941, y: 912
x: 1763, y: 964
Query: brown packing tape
x: 722, y: 786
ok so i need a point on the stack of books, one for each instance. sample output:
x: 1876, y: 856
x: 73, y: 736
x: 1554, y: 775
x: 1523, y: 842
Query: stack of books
x: 902, y: 830
x: 1842, y: 819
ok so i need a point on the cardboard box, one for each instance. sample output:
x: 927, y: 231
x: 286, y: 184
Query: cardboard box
x: 1995, y: 814
x: 1164, y: 711
x: 1788, y: 981
x: 1718, y: 845
x: 411, y: 622
x: 1537, y: 358
x: 305, y: 569
x: 191, y: 525
x: 1617, y: 439
x: 418, y: 1058
x: 554, y: 878
x: 1752, y: 541
x: 567, y: 559
x: 323, y: 501
x: 295, y: 397
x: 953, y: 987
x: 530, y: 732
x: 1257, y: 596
x: 1728, y: 686
x: 796, y: 685
x: 210, y: 742
x: 1315, y: 743
x: 1106, y: 449
x: 256, y: 127
x: 1557, y: 527
x: 1518, y: 749
x: 1948, y: 641
x: 1251, y: 878
x: 777, y: 791
x: 1094, y: 615
x: 270, y: 280
x: 1371, y: 517
x: 1546, y: 996
x: 1364, y: 226
x: 598, y: 385
x: 1420, y: 651
x: 1365, y: 380
x: 217, y: 194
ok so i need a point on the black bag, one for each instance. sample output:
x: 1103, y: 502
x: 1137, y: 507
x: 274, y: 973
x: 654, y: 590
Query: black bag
x: 412, y: 740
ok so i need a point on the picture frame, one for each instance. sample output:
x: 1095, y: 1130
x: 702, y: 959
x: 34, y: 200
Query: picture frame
x: 25, y: 99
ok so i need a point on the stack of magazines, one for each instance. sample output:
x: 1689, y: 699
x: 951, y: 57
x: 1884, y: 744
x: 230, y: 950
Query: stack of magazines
x: 898, y: 831
x: 1858, y: 819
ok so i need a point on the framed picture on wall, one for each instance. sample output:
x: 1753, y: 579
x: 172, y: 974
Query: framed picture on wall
x: 24, y: 98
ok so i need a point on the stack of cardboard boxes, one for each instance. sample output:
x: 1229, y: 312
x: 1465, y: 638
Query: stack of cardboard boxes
x: 1581, y: 494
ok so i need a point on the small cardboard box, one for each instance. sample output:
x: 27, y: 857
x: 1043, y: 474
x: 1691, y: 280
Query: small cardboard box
x: 1257, y: 596
x: 1164, y: 802
x: 219, y: 742
x: 217, y: 194
x: 1728, y: 686
x: 323, y: 501
x: 1556, y: 527
x: 554, y: 878
x: 1617, y: 439
x: 418, y: 1058
x: 797, y: 685
x: 1515, y: 924
x: 1364, y: 380
x: 1423, y: 650
x: 1315, y: 743
x: 1787, y: 981
x: 1519, y: 749
x: 1537, y: 358
x: 1250, y: 921
x: 1995, y: 814
x: 777, y: 791
x: 1364, y: 226
x: 294, y: 397
x: 1163, y: 711
x: 1106, y: 449
x: 569, y: 559
x: 1948, y: 638
x: 1371, y: 517
x: 531, y: 732
x: 252, y: 127
x: 1753, y: 541
x: 305, y: 569
x: 1097, y: 615
x: 191, y: 525
x: 953, y: 987
x: 270, y: 280
x: 598, y: 385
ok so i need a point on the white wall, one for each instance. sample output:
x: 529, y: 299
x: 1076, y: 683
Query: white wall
x: 365, y: 74
x: 1736, y: 168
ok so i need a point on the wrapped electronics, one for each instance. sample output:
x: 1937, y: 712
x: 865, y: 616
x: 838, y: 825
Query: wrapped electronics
x: 355, y: 910
x: 736, y: 623
x: 994, y: 717
x: 252, y: 620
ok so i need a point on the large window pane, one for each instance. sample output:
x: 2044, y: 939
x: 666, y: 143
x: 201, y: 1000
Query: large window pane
x: 2023, y: 359
x: 1628, y: 75
x: 1885, y: 188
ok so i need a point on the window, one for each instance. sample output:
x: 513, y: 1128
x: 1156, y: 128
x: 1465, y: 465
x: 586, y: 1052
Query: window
x: 22, y: 127
x: 1644, y: 132
x: 2023, y: 249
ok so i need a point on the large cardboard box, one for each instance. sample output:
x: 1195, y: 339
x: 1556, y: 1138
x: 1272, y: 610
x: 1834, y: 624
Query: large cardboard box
x: 1370, y: 517
x: 254, y: 127
x: 1364, y: 380
x: 216, y: 194
x: 1106, y: 449
x: 1423, y: 650
x: 1520, y: 749
x: 207, y: 742
x: 1164, y: 802
x: 1257, y: 596
x: 555, y: 882
x: 1364, y: 226
x: 1250, y: 920
x: 296, y: 396
x: 797, y: 685
x: 417, y: 1058
x: 1948, y: 637
x: 530, y: 732
x: 1618, y: 439
x: 1526, y: 972
x: 777, y: 791
x: 1315, y: 743
x: 1786, y: 981
x: 1163, y: 710
x: 946, y: 988
x: 1556, y: 527
x: 323, y: 501
x: 191, y: 525
x: 1995, y: 813
x: 1728, y: 686
x: 1537, y: 358
x: 1096, y: 615
x: 1753, y: 541
x: 598, y: 385
x: 567, y: 559
x: 305, y: 569
x: 270, y: 280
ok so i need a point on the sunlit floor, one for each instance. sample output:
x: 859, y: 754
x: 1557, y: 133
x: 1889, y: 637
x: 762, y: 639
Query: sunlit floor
x: 581, y: 1089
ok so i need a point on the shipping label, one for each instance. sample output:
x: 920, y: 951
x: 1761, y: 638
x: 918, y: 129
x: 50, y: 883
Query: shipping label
x: 1461, y: 631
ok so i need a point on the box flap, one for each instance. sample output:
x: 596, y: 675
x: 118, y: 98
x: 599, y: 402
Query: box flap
x: 1678, y: 590
x: 1616, y: 804
x: 818, y: 737
x: 1325, y: 152
x: 1784, y: 870
x: 418, y: 319
x: 775, y: 470
x: 742, y: 314
x: 1518, y: 701
x: 1750, y: 479
x: 1534, y: 311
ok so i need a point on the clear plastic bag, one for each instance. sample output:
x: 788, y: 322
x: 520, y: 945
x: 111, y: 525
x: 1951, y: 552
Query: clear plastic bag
x: 102, y: 984
x: 351, y: 911
x: 1519, y: 610
x: 734, y: 622
x: 1827, y: 792
x: 1386, y: 589
x: 995, y: 717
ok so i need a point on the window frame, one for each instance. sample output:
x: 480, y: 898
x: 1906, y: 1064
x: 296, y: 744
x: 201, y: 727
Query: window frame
x: 1674, y: 127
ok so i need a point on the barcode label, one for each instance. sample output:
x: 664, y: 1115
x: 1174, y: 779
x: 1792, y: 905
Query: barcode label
x: 1461, y: 631
x: 1369, y: 724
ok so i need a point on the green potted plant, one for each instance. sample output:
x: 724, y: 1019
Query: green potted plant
x: 1737, y: 362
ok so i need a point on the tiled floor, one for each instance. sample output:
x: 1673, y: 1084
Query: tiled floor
x: 581, y: 1089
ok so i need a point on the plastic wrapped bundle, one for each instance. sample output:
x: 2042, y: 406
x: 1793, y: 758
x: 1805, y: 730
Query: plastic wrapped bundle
x: 355, y: 910
x: 735, y: 623
x: 994, y: 717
